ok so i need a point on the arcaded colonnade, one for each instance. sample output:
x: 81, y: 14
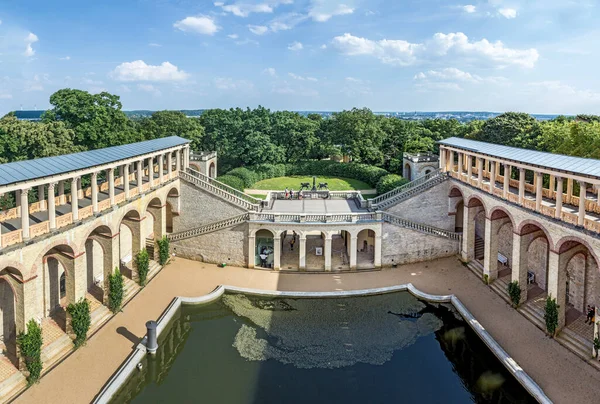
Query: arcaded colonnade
x: 506, y: 232
x: 358, y: 244
x: 41, y: 272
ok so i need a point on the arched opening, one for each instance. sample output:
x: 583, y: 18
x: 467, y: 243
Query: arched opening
x: 477, y: 217
x: 366, y: 249
x: 99, y: 263
x: 154, y: 226
x: 172, y: 208
x: 169, y: 218
x: 504, y: 228
x: 211, y: 170
x: 315, y: 250
x: 536, y: 263
x: 129, y: 232
x: 341, y: 244
x: 195, y: 166
x: 456, y: 199
x: 8, y: 324
x: 264, y: 250
x: 290, y: 250
x: 58, y: 289
x: 407, y: 172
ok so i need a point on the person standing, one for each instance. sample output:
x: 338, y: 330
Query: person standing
x: 292, y: 193
x: 287, y: 193
x: 292, y: 242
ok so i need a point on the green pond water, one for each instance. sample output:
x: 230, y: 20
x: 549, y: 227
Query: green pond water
x: 389, y: 348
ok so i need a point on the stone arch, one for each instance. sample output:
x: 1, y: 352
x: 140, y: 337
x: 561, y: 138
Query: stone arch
x: 474, y: 201
x: 194, y: 165
x: 11, y: 312
x: 157, y: 209
x: 366, y: 244
x: 567, y: 242
x: 264, y: 243
x: 537, y: 245
x: 528, y: 226
x: 455, y: 192
x: 101, y: 257
x: 498, y: 212
x: 59, y: 264
x: 212, y: 170
x: 130, y: 240
x: 407, y: 172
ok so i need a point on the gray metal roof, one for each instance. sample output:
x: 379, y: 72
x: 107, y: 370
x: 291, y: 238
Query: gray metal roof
x: 575, y: 165
x: 26, y: 170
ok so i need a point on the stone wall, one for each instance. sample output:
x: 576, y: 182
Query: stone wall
x: 227, y: 245
x: 576, y: 282
x: 403, y: 246
x: 505, y: 240
x: 537, y: 261
x: 429, y: 207
x: 199, y: 207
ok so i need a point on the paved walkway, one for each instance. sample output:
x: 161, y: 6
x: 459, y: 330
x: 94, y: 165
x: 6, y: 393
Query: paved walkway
x: 563, y: 376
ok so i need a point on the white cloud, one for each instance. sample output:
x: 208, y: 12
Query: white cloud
x: 469, y: 8
x: 565, y: 91
x: 149, y: 88
x: 323, y: 46
x: 229, y: 84
x: 300, y: 78
x: 403, y: 53
x: 36, y: 84
x: 65, y: 58
x: 508, y: 12
x: 245, y: 9
x: 29, y: 40
x: 233, y: 36
x: 286, y: 89
x: 286, y: 21
x: 258, y: 29
x: 154, y: 45
x: 449, y: 73
x: 125, y: 89
x: 199, y: 25
x: 140, y: 71
x: 295, y: 46
x: 270, y: 71
x: 323, y: 10
x: 246, y: 41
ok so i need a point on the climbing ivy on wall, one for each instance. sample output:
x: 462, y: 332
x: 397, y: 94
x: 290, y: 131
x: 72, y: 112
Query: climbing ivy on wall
x: 80, y: 320
x: 163, y: 250
x: 30, y: 344
x: 142, y: 262
x: 115, y: 291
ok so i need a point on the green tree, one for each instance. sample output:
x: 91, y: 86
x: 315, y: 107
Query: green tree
x: 511, y: 129
x: 172, y: 123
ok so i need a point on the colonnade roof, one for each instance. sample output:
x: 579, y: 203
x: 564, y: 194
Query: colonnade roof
x: 20, y: 171
x: 559, y: 162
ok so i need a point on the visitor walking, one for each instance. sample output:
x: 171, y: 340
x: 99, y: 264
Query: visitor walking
x: 292, y: 242
x: 287, y: 193
x: 591, y: 311
x: 263, y: 259
x: 292, y: 193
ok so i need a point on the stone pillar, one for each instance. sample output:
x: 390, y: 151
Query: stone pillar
x: 251, y: 251
x: 41, y: 197
x: 538, y: 191
x: 126, y: 180
x: 277, y: 253
x: 490, y: 259
x: 506, y: 182
x: 160, y: 168
x: 377, y: 258
x: 160, y: 222
x: 170, y: 164
x: 61, y: 192
x: 51, y: 206
x: 519, y: 264
x: 479, y: 171
x: 493, y: 178
x: 443, y: 159
x: 582, y: 196
x: 79, y: 189
x: 110, y: 248
x: 552, y: 188
x: 521, y: 185
x: 557, y: 284
x: 151, y: 171
x: 140, y: 175
x: 327, y: 252
x: 186, y: 157
x: 95, y: 192
x: 79, y: 269
x: 74, y: 200
x: 178, y: 160
x: 468, y: 240
x: 569, y: 189
x: 110, y: 173
x: 460, y: 165
x: 302, y: 252
x: 559, y: 197
x: 138, y: 243
x: 353, y: 251
x: 25, y: 213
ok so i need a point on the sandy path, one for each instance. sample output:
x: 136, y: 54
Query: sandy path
x: 563, y: 376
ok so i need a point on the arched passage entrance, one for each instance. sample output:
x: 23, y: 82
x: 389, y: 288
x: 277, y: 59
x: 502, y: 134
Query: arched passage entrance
x: 130, y: 242
x: 498, y: 244
x: 473, y: 247
x: 366, y: 249
x: 59, y: 286
x: 264, y: 249
x: 10, y: 296
x: 212, y: 170
x: 456, y: 206
x: 407, y: 172
x: 102, y: 258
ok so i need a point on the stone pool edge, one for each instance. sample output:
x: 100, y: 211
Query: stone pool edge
x: 129, y: 366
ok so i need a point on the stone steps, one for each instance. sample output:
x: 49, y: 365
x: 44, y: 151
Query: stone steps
x: 130, y: 288
x: 56, y: 351
x: 500, y: 287
x: 11, y: 386
x: 153, y: 269
x: 479, y: 247
x: 98, y: 317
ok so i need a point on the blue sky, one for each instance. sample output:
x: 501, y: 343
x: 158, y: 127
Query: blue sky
x: 404, y: 55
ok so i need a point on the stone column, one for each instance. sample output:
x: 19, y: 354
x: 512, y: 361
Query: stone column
x: 519, y: 264
x: 126, y: 180
x: 170, y: 164
x: 492, y: 178
x: 521, y: 185
x: 479, y: 172
x: 569, y: 189
x: 506, y: 182
x: 110, y: 247
x: 41, y: 197
x: 538, y: 190
x: 468, y: 241
x: 79, y: 269
x: 443, y: 159
x: 61, y: 192
x: 557, y: 283
x: 277, y: 253
x: 25, y: 213
x: 160, y: 168
x: 186, y: 157
x: 151, y: 171
x: 51, y: 206
x: 302, y: 252
x: 353, y: 251
x: 251, y: 251
x: 582, y: 196
x: 552, y: 187
x: 559, y: 197
x: 110, y: 173
x: 327, y: 252
x: 178, y: 160
x: 79, y: 189
x: 460, y: 165
x: 140, y: 175
x: 490, y: 259
x: 74, y: 200
x: 377, y: 257
x: 95, y: 192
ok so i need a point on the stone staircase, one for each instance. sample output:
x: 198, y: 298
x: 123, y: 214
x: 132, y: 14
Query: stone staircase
x: 420, y: 227
x: 153, y: 269
x: 150, y: 247
x: 209, y: 227
x: 479, y: 248
x: 221, y: 190
x: 130, y: 288
x: 408, y: 190
x: 500, y: 286
x: 12, y: 385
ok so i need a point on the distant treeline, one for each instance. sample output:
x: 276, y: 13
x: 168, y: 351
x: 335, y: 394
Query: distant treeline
x: 81, y: 121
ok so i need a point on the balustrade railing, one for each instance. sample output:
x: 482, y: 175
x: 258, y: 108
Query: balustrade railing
x: 423, y: 228
x: 315, y: 218
x: 210, y: 227
x: 407, y: 186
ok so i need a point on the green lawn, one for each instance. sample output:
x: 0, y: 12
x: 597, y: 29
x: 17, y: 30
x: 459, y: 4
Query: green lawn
x: 258, y: 196
x: 335, y: 183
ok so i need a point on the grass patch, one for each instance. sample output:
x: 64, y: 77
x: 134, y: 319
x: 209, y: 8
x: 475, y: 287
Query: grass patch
x: 335, y: 183
x: 258, y: 196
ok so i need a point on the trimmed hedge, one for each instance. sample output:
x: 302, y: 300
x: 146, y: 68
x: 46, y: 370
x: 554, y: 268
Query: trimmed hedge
x: 232, y: 181
x: 30, y: 345
x: 80, y: 320
x: 389, y: 182
x: 247, y: 176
